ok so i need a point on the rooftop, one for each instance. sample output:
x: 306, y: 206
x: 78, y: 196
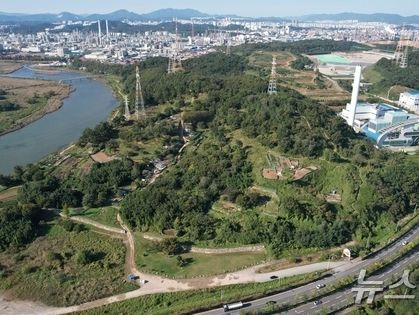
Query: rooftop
x: 413, y: 92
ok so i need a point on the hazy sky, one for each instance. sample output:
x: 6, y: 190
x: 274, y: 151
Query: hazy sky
x: 240, y: 7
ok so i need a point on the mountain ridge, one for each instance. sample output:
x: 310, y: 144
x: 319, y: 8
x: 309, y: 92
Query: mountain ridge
x: 170, y: 13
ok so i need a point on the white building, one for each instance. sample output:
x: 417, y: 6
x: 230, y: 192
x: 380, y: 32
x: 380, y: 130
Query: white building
x: 410, y: 101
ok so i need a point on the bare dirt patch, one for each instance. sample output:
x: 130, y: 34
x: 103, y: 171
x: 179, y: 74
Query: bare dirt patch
x: 101, y: 157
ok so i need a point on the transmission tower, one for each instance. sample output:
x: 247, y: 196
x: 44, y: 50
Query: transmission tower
x: 175, y: 63
x: 127, y: 114
x: 139, y: 99
x: 403, y: 61
x: 400, y: 55
x: 272, y: 89
x: 228, y: 45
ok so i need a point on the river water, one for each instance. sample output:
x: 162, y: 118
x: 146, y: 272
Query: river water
x: 89, y: 104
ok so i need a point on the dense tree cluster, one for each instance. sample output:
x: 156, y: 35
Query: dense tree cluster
x: 302, y: 63
x: 216, y: 64
x: 394, y: 75
x: 311, y: 47
x: 397, y: 185
x: 18, y: 224
x: 103, y: 181
x: 93, y: 189
x: 98, y: 136
x: 189, y: 188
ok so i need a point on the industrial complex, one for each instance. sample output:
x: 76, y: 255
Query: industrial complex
x: 386, y: 125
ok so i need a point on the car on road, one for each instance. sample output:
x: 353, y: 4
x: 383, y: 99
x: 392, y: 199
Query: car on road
x: 405, y: 243
x: 318, y: 302
x: 320, y: 285
x: 273, y: 277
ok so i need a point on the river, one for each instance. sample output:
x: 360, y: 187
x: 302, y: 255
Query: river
x: 89, y: 104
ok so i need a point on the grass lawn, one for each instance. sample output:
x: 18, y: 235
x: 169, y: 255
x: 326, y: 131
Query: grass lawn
x: 190, y: 302
x: 105, y: 215
x: 149, y: 259
x: 371, y: 75
x: 52, y: 270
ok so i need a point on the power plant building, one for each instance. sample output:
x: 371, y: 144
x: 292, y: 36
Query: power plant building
x: 382, y: 123
x: 410, y: 101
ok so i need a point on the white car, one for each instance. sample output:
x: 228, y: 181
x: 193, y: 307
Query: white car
x: 320, y: 285
x: 405, y: 243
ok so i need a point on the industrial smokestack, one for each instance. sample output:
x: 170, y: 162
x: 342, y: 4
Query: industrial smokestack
x: 107, y: 31
x: 100, y: 32
x: 355, y: 93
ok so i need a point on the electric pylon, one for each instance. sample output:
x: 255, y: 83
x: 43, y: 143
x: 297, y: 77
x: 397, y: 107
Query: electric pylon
x: 175, y: 63
x: 400, y: 55
x: 127, y: 113
x: 139, y: 98
x: 228, y: 45
x: 272, y: 89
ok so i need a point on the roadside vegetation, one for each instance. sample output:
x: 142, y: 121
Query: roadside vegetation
x: 67, y: 264
x: 193, y: 301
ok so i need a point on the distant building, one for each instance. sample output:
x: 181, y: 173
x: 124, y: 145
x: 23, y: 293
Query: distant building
x: 410, y: 101
x: 32, y: 49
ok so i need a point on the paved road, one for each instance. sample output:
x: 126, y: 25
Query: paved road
x: 307, y: 290
x: 346, y: 297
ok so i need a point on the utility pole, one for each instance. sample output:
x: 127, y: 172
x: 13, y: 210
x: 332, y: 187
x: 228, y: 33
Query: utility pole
x: 272, y: 88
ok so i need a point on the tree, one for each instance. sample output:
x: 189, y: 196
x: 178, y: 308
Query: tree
x: 170, y: 246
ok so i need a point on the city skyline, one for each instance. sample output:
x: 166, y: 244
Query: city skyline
x: 243, y: 8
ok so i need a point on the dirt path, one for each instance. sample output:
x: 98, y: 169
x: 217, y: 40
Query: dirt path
x: 96, y: 224
x: 156, y: 284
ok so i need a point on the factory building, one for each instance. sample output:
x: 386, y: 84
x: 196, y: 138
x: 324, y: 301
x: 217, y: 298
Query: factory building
x: 410, y: 101
x: 382, y: 123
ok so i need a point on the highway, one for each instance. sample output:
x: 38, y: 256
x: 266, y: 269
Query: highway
x: 341, y: 299
x: 334, y: 299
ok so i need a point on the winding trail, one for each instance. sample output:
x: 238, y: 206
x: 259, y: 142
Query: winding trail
x: 157, y: 284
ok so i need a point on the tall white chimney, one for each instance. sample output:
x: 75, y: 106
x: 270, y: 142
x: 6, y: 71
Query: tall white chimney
x: 107, y: 31
x: 354, y: 99
x: 100, y: 32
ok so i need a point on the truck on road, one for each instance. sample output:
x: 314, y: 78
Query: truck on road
x: 232, y: 306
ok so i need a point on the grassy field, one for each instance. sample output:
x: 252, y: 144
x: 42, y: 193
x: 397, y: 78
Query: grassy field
x: 193, y: 301
x: 105, y: 215
x: 34, y: 98
x: 149, y: 259
x: 65, y: 268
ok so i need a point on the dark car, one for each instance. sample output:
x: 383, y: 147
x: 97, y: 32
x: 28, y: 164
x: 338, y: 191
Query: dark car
x: 274, y: 277
x: 318, y: 302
